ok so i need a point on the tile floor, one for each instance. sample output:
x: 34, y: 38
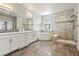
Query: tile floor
x: 46, y: 48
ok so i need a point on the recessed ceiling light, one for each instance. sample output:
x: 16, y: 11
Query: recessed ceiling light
x: 6, y: 6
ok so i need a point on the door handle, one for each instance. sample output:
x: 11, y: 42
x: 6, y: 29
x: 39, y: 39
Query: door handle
x: 10, y: 41
x: 33, y: 35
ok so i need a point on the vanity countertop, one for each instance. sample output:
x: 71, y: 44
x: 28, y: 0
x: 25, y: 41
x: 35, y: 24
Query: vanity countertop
x: 8, y: 33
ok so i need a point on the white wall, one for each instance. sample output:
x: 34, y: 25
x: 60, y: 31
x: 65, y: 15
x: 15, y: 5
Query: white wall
x: 36, y: 22
x: 21, y: 16
x: 53, y: 23
x: 20, y: 11
x: 46, y: 19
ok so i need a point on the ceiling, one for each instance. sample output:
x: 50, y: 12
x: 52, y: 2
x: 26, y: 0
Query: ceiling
x: 47, y: 8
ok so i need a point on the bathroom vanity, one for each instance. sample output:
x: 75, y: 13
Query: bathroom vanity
x: 12, y: 41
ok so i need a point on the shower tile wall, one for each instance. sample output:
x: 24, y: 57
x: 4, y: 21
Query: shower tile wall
x: 65, y: 24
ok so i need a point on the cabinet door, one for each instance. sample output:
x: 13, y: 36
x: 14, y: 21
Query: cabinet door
x: 26, y: 38
x: 34, y: 36
x: 22, y: 40
x: 14, y: 42
x: 31, y: 37
x: 4, y: 46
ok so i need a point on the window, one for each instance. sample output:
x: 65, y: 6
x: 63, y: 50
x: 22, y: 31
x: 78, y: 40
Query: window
x: 7, y: 23
x: 2, y: 25
x: 46, y: 23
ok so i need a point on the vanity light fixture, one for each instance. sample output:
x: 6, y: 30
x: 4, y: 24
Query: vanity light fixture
x: 6, y: 6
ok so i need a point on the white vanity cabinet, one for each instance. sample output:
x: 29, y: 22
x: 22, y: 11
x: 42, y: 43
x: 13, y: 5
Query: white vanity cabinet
x: 34, y: 36
x: 27, y: 38
x: 31, y: 37
x: 14, y: 41
x: 22, y: 40
x: 4, y: 45
x: 9, y: 43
